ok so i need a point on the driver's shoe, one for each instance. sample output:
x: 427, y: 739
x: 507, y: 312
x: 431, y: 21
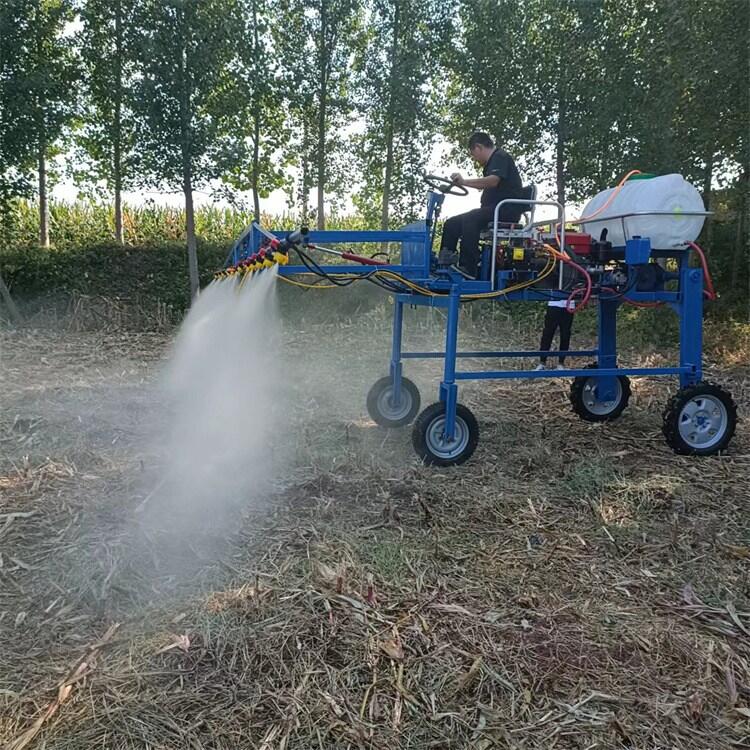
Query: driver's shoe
x: 447, y: 257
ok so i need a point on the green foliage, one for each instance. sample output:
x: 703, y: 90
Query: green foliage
x: 258, y: 124
x: 605, y: 87
x: 106, y: 136
x: 318, y: 79
x: 37, y: 86
x: 186, y: 92
x: 398, y: 77
x: 156, y: 272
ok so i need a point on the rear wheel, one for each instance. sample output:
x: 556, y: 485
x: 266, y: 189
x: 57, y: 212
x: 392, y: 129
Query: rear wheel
x: 430, y: 443
x: 700, y: 420
x: 385, y: 411
x: 586, y: 401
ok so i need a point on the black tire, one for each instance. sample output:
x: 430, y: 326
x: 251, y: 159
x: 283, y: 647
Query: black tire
x: 585, y: 404
x: 383, y: 412
x: 700, y: 420
x: 426, y: 436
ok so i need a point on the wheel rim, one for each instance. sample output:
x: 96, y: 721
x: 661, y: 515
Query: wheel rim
x: 447, y: 449
x: 591, y: 401
x: 391, y: 411
x: 703, y: 421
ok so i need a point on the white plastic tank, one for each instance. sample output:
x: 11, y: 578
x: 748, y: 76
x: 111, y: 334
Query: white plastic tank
x: 671, y: 193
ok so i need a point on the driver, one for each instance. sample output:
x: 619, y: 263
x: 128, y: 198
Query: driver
x: 500, y: 180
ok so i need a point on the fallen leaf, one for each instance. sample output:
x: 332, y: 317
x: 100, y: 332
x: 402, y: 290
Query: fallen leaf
x: 695, y: 706
x: 454, y: 608
x: 325, y: 574
x: 466, y: 679
x: 393, y: 649
x: 736, y: 618
x: 735, y: 550
x: 731, y: 683
x: 178, y: 641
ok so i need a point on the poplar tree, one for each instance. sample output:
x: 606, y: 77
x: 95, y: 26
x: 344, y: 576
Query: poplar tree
x: 38, y: 76
x: 106, y: 138
x: 186, y: 97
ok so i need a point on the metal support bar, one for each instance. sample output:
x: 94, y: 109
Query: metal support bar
x: 398, y: 322
x: 480, y: 355
x: 448, y: 388
x: 607, y: 324
x: 572, y: 373
x: 690, y: 310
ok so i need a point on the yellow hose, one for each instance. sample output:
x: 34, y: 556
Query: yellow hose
x: 548, y: 269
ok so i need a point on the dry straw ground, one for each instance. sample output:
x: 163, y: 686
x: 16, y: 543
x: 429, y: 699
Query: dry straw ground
x: 573, y: 586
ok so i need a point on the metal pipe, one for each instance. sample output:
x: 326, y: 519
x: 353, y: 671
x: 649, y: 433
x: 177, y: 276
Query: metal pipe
x: 526, y: 202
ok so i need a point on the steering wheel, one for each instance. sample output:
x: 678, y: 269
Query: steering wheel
x: 444, y: 185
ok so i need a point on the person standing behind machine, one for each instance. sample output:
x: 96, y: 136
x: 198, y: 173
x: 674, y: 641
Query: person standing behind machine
x: 500, y: 180
x: 557, y: 316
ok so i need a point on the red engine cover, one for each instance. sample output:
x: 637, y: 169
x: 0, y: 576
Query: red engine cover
x: 578, y: 242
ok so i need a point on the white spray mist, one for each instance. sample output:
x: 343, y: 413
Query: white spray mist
x: 225, y: 395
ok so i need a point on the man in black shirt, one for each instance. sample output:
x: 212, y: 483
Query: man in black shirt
x: 500, y: 180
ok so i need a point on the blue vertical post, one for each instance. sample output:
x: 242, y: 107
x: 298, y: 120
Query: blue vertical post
x: 255, y: 244
x: 690, y: 308
x: 448, y: 388
x: 398, y: 323
x: 605, y: 389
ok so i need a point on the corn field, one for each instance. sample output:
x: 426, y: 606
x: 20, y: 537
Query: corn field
x: 83, y: 224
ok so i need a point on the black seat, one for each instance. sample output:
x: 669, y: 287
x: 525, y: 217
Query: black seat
x: 528, y: 192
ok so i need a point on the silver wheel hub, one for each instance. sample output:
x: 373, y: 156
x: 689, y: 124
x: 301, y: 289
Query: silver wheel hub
x: 389, y: 408
x: 440, y: 445
x: 703, y: 421
x: 590, y: 397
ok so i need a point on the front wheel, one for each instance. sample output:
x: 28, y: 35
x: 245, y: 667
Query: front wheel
x: 385, y: 411
x: 586, y: 401
x: 430, y: 442
x: 700, y: 420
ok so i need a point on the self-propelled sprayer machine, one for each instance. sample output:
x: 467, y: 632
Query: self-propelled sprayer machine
x: 633, y: 247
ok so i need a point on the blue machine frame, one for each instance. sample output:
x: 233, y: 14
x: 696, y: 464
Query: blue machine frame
x: 418, y: 264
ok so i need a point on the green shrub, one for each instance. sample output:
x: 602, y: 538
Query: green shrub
x: 156, y: 272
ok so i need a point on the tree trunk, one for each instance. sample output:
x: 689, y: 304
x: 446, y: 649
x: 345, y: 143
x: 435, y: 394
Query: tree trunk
x: 15, y: 313
x: 389, y: 125
x: 192, y: 243
x: 740, y: 241
x: 256, y: 165
x: 307, y: 165
x: 561, y: 135
x: 708, y: 199
x: 323, y: 56
x: 257, y: 109
x: 187, y: 170
x: 119, y: 232
x: 117, y: 144
x: 43, y: 207
x: 40, y: 126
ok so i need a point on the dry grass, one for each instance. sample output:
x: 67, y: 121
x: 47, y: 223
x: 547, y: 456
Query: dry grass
x: 573, y: 586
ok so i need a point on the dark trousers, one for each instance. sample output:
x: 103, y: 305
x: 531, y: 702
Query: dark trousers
x: 556, y: 317
x: 467, y: 228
